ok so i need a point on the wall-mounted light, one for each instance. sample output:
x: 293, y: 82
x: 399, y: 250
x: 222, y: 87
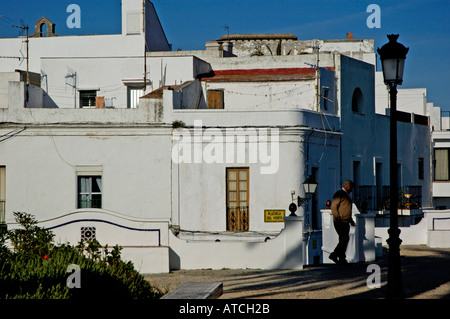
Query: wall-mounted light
x: 309, y: 185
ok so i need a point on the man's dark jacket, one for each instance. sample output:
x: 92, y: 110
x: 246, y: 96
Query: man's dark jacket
x: 341, y: 207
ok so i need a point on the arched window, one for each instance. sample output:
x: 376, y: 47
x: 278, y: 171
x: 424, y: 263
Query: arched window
x: 358, y: 101
x: 44, y: 29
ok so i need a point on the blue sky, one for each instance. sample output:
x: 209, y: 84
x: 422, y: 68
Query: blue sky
x: 423, y: 25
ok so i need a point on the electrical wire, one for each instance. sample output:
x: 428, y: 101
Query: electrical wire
x: 11, y: 134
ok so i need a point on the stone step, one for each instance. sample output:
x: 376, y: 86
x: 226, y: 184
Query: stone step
x: 196, y: 290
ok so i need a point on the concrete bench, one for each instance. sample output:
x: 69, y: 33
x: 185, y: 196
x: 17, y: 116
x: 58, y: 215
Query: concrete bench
x: 196, y: 290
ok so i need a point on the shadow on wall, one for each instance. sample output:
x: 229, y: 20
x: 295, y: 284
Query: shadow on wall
x: 36, y: 97
x: 48, y: 102
x: 174, y: 260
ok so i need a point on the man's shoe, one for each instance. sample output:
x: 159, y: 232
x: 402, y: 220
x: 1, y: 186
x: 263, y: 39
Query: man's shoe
x: 343, y: 261
x: 334, y: 258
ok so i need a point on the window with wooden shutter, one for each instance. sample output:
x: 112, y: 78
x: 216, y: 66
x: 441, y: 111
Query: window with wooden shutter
x: 238, y: 199
x: 441, y: 164
x: 2, y: 194
x: 100, y: 102
x: 215, y: 99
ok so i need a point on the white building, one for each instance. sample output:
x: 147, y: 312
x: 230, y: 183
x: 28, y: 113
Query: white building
x: 414, y: 105
x: 74, y: 70
x: 434, y: 228
x: 215, y: 151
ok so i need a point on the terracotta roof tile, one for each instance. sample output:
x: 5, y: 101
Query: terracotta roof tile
x: 259, y: 36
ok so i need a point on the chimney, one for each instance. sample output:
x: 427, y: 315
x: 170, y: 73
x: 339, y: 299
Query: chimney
x: 349, y: 36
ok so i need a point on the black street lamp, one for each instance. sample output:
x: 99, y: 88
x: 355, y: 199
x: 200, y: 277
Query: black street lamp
x: 309, y: 185
x: 392, y: 56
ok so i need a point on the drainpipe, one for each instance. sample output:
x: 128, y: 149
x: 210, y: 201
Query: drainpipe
x: 307, y: 152
x: 340, y: 160
x: 307, y: 231
x: 307, y: 169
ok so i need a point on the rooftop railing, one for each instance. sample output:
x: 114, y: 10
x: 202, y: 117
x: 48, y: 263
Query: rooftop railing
x: 377, y: 198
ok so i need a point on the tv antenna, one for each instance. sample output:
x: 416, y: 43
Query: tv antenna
x: 316, y: 48
x: 12, y: 57
x: 73, y: 75
x: 227, y: 28
x: 24, y: 28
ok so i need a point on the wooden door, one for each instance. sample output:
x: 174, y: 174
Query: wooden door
x: 238, y: 199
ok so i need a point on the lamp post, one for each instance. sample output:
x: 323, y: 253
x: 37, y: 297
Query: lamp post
x: 392, y: 56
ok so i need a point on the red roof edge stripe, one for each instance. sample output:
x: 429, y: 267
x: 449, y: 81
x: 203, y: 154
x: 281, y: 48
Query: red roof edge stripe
x: 277, y: 71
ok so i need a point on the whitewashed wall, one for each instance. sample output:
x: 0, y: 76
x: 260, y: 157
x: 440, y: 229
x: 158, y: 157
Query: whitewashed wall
x: 143, y: 241
x: 366, y: 135
x: 106, y: 75
x: 263, y: 96
x: 100, y: 62
x: 203, y: 207
x: 286, y: 251
x: 113, y: 45
x: 42, y: 166
x: 174, y: 70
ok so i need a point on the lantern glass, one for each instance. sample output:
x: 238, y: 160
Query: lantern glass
x: 392, y: 56
x: 393, y: 70
x: 310, y: 185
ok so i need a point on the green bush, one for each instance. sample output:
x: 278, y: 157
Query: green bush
x: 37, y: 269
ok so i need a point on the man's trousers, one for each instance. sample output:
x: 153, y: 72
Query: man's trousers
x: 343, y: 230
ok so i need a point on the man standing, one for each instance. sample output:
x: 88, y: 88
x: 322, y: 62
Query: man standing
x: 341, y: 207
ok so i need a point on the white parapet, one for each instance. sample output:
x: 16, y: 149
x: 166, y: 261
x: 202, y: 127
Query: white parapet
x: 285, y: 251
x: 361, y: 246
x: 143, y: 241
x: 438, y: 228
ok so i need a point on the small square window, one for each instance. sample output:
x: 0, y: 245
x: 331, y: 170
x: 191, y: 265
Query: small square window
x: 89, y: 192
x: 87, y: 98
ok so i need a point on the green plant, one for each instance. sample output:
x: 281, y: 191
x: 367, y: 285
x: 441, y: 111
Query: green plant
x: 4, y: 251
x: 113, y: 256
x: 37, y: 269
x: 30, y: 239
x: 91, y: 247
x: 178, y: 124
x: 278, y: 49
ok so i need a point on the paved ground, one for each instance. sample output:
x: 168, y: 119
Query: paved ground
x: 425, y: 275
